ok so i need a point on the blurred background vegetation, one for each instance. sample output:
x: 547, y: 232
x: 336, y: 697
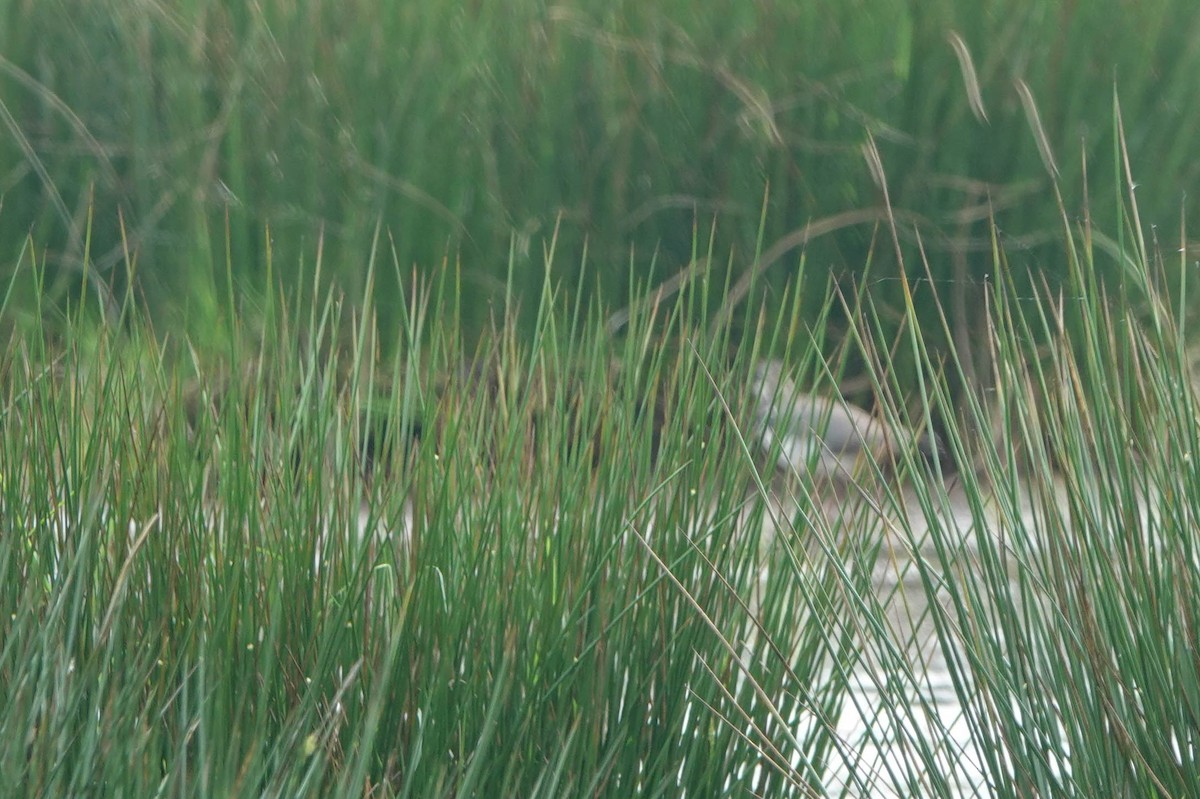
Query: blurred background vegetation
x: 172, y: 146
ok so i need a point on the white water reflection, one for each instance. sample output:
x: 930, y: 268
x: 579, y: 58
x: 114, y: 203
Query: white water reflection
x: 899, y: 734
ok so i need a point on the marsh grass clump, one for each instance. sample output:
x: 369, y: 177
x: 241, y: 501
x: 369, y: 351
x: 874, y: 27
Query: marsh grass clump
x: 291, y: 565
x: 291, y: 560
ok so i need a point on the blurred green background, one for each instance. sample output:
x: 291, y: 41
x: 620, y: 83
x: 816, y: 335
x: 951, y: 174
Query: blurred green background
x: 178, y: 144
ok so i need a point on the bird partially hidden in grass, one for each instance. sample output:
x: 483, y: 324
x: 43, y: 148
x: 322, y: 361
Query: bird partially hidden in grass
x: 824, y: 437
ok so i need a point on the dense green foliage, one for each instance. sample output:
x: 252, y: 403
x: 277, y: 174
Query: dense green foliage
x: 181, y: 131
